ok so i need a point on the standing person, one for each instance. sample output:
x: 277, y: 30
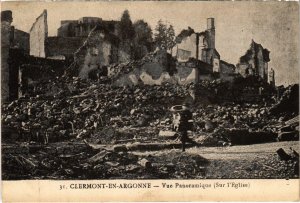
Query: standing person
x: 185, y: 123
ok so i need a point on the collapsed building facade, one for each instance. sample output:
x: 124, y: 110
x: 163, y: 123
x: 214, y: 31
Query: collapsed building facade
x: 201, y: 46
x: 255, y: 63
x: 91, y: 44
x: 24, y: 60
x: 194, y: 59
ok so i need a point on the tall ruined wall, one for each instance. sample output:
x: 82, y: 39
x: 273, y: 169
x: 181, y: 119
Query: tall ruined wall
x: 211, y: 56
x: 257, y: 58
x: 6, y: 19
x: 38, y: 36
x: 260, y: 63
x: 271, y: 77
x: 187, y: 48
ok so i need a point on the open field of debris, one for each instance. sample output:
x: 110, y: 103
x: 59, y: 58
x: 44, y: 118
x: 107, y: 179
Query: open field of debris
x: 93, y: 130
x: 80, y: 161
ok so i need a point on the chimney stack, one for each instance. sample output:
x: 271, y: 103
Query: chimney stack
x: 211, y: 32
x: 6, y: 16
x: 210, y: 23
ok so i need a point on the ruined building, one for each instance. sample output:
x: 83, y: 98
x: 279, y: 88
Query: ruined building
x: 23, y: 57
x: 14, y: 44
x: 86, y: 44
x: 255, y: 62
x: 201, y: 46
x: 83, y: 26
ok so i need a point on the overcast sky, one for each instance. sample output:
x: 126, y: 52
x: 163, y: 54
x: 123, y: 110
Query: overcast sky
x: 275, y: 25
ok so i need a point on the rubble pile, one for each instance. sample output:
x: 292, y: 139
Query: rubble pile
x: 235, y: 124
x: 79, y: 108
x: 177, y: 165
x: 81, y: 162
x: 288, y: 103
x: 69, y: 108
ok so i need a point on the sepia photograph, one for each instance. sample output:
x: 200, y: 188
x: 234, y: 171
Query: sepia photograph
x: 149, y: 90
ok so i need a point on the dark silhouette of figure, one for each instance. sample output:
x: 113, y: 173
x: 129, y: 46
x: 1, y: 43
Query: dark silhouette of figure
x: 185, y: 124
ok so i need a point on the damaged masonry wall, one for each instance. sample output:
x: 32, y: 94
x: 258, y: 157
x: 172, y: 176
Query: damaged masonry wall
x: 100, y: 49
x: 184, y: 76
x: 254, y: 62
x: 158, y: 68
x: 200, y: 46
x: 38, y: 36
x: 97, y: 51
x: 6, y: 20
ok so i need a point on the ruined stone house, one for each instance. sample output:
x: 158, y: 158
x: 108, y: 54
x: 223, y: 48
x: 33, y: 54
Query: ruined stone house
x: 86, y: 44
x: 255, y: 62
x: 23, y: 57
x: 89, y: 43
x: 201, y: 46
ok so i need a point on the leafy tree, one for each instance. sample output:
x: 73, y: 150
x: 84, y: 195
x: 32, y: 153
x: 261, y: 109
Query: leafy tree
x: 143, y: 39
x: 143, y: 32
x: 160, y: 35
x: 170, y: 37
x: 126, y: 28
x: 165, y: 36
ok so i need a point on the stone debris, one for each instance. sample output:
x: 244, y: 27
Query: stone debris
x: 104, y: 124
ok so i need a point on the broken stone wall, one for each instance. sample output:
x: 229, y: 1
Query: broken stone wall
x: 35, y: 71
x: 260, y: 63
x: 187, y: 48
x: 211, y: 56
x: 38, y: 36
x: 156, y: 69
x: 227, y: 71
x: 257, y: 58
x: 67, y: 28
x: 16, y: 59
x: 21, y: 40
x: 64, y: 46
x: 97, y: 51
x: 96, y: 57
x: 184, y: 75
x: 6, y: 19
x: 271, y: 77
x: 243, y: 69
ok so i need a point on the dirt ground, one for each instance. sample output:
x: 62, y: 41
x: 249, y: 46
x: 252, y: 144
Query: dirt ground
x: 75, y: 160
x: 243, y: 162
